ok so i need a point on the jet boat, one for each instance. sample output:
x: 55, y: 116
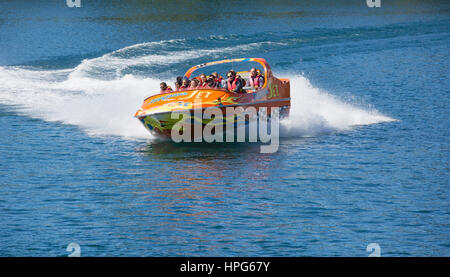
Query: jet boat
x: 155, y: 112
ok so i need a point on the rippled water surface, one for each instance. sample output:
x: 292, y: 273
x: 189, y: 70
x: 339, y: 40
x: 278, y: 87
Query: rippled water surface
x: 363, y: 158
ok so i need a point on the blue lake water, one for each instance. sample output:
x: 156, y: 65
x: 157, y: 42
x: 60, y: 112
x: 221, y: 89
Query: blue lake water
x: 363, y: 158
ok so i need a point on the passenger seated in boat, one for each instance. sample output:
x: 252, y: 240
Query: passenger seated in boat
x: 203, y: 80
x: 258, y: 71
x: 178, y: 83
x: 218, y: 80
x: 235, y: 83
x: 194, y: 84
x: 164, y: 88
x: 210, y: 82
x: 185, y: 83
x: 256, y: 79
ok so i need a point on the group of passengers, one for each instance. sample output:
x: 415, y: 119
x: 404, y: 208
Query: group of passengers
x: 234, y: 82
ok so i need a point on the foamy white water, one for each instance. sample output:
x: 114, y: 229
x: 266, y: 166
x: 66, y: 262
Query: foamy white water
x: 106, y: 107
x: 98, y: 107
x: 315, y: 111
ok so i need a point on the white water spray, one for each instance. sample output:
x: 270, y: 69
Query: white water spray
x: 315, y: 112
x: 106, y: 107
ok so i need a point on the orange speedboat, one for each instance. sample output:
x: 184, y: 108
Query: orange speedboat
x: 155, y: 113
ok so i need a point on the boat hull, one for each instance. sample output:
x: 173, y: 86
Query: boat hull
x: 161, y: 124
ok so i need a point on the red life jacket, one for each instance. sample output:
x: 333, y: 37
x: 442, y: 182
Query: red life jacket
x: 168, y: 89
x: 231, y: 86
x: 217, y: 81
x: 254, y: 82
x: 203, y: 85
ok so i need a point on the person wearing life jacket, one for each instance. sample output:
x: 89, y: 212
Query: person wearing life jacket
x: 258, y: 71
x: 234, y: 83
x: 256, y: 79
x: 178, y: 83
x: 164, y: 88
x: 204, y: 84
x: 210, y: 82
x: 202, y: 81
x: 194, y: 84
x: 217, y: 79
x: 185, y: 83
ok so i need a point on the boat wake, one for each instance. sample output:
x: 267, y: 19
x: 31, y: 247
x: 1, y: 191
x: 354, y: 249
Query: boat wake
x: 316, y: 112
x: 104, y: 106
